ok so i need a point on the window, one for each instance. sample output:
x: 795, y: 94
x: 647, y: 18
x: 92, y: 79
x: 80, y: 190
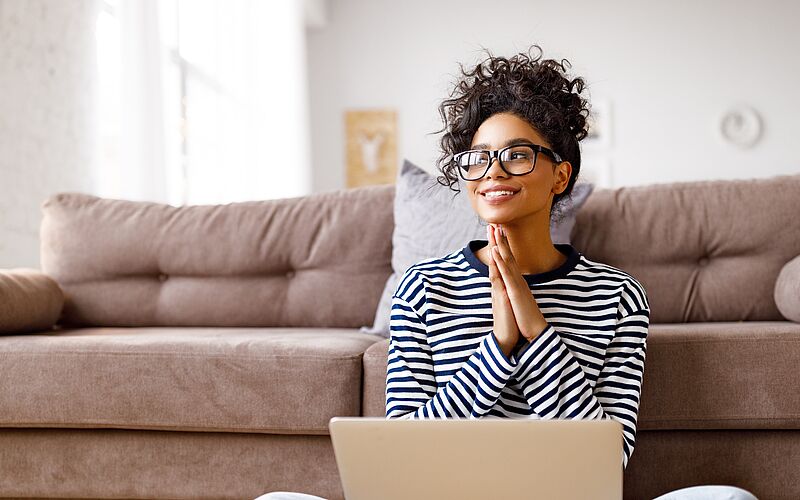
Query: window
x: 211, y: 100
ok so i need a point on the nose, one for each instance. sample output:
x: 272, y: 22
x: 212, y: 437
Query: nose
x: 495, y: 170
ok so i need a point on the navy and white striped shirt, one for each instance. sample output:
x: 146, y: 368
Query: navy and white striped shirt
x: 588, y: 362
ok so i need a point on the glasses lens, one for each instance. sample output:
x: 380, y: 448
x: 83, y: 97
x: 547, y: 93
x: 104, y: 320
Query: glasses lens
x: 472, y: 164
x: 518, y: 159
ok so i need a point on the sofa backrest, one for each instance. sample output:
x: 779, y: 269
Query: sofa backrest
x: 704, y: 251
x: 316, y: 261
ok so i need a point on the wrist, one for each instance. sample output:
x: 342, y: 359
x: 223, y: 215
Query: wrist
x: 506, y: 347
x: 535, y: 330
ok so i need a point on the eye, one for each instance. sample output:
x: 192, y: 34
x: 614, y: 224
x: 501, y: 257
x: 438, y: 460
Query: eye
x: 472, y: 158
x: 521, y: 153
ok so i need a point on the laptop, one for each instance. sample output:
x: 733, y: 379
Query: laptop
x: 486, y: 459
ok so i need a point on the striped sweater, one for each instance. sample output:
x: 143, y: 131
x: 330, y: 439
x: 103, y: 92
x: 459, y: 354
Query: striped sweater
x: 587, y: 363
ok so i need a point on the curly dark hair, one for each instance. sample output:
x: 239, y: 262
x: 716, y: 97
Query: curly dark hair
x: 536, y: 90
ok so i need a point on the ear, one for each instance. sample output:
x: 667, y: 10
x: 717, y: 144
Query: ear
x: 561, y: 175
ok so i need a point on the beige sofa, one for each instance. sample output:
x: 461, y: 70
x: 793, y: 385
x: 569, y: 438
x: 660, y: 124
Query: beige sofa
x: 202, y: 350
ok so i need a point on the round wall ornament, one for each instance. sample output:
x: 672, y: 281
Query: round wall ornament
x: 742, y: 126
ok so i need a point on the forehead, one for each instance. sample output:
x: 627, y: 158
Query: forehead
x: 498, y: 129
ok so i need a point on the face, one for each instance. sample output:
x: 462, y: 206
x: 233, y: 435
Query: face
x: 533, y: 191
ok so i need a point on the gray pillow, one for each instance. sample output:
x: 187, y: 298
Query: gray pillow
x: 431, y: 220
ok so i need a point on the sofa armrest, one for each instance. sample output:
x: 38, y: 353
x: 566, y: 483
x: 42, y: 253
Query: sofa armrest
x: 29, y: 301
x: 787, y: 290
x: 373, y: 389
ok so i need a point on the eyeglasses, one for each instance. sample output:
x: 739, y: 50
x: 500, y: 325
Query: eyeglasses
x: 519, y: 159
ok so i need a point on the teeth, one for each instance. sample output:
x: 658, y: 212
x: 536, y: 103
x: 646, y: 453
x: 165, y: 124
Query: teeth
x: 493, y: 194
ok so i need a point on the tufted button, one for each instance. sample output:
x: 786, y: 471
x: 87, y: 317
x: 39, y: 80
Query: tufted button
x: 703, y: 261
x: 162, y: 277
x: 290, y: 274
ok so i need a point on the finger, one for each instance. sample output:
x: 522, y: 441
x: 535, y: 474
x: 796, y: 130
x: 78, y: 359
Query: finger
x: 498, y: 259
x: 495, y: 278
x: 505, y: 250
x: 502, y: 242
x: 513, y: 289
x: 503, y: 270
x: 494, y: 234
x: 498, y: 286
x: 499, y: 263
x: 491, y: 266
x: 501, y: 237
x: 489, y: 238
x: 491, y: 260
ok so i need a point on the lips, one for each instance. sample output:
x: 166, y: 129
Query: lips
x: 499, y: 187
x: 498, y: 193
x: 501, y: 198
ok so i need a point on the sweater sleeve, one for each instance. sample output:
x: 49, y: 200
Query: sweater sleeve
x: 411, y: 388
x: 555, y: 385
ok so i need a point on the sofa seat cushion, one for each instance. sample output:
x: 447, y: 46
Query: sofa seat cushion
x: 740, y: 375
x: 264, y: 380
x: 726, y: 375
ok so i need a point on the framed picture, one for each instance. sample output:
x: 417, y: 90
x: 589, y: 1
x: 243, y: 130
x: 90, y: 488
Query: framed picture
x: 371, y: 146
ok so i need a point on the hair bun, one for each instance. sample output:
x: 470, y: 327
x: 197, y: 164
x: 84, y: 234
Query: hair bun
x: 574, y: 108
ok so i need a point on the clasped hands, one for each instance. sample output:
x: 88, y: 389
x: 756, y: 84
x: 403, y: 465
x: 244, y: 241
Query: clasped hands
x: 514, y: 308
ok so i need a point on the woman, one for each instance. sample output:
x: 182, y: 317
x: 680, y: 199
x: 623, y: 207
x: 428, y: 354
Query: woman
x: 515, y: 326
x: 585, y: 359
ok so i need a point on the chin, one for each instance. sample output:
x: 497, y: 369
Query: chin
x: 495, y: 218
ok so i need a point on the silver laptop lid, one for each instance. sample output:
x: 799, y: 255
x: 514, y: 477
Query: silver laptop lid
x: 489, y: 458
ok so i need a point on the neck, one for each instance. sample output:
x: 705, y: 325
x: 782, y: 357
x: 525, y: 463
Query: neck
x: 531, y: 244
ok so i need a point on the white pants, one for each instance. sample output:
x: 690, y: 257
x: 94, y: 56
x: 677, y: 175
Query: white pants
x: 286, y: 495
x: 714, y: 492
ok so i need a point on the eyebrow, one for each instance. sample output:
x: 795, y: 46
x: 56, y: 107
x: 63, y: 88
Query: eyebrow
x: 510, y: 142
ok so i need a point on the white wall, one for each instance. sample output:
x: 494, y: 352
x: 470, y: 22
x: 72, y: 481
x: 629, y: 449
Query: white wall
x: 46, y: 79
x: 669, y: 69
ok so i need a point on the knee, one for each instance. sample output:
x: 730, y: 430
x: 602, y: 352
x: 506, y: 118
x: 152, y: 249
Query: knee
x: 711, y: 492
x: 287, y: 495
x: 734, y: 493
x: 275, y: 495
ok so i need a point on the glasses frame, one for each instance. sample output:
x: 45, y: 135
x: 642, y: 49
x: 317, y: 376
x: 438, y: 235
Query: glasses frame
x: 495, y: 153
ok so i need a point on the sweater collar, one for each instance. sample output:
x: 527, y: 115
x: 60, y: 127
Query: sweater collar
x: 573, y: 256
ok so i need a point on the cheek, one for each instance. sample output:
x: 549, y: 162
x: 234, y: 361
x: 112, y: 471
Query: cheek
x: 542, y: 185
x: 534, y: 185
x: 472, y: 194
x: 539, y: 192
x: 474, y: 201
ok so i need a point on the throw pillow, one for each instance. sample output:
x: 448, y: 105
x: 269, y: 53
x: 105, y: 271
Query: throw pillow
x: 431, y: 220
x: 30, y: 301
x: 787, y: 290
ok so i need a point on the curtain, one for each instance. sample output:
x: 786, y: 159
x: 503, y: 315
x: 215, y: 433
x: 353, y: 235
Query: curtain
x: 205, y: 101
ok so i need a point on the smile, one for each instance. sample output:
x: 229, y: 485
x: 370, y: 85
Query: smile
x: 494, y: 197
